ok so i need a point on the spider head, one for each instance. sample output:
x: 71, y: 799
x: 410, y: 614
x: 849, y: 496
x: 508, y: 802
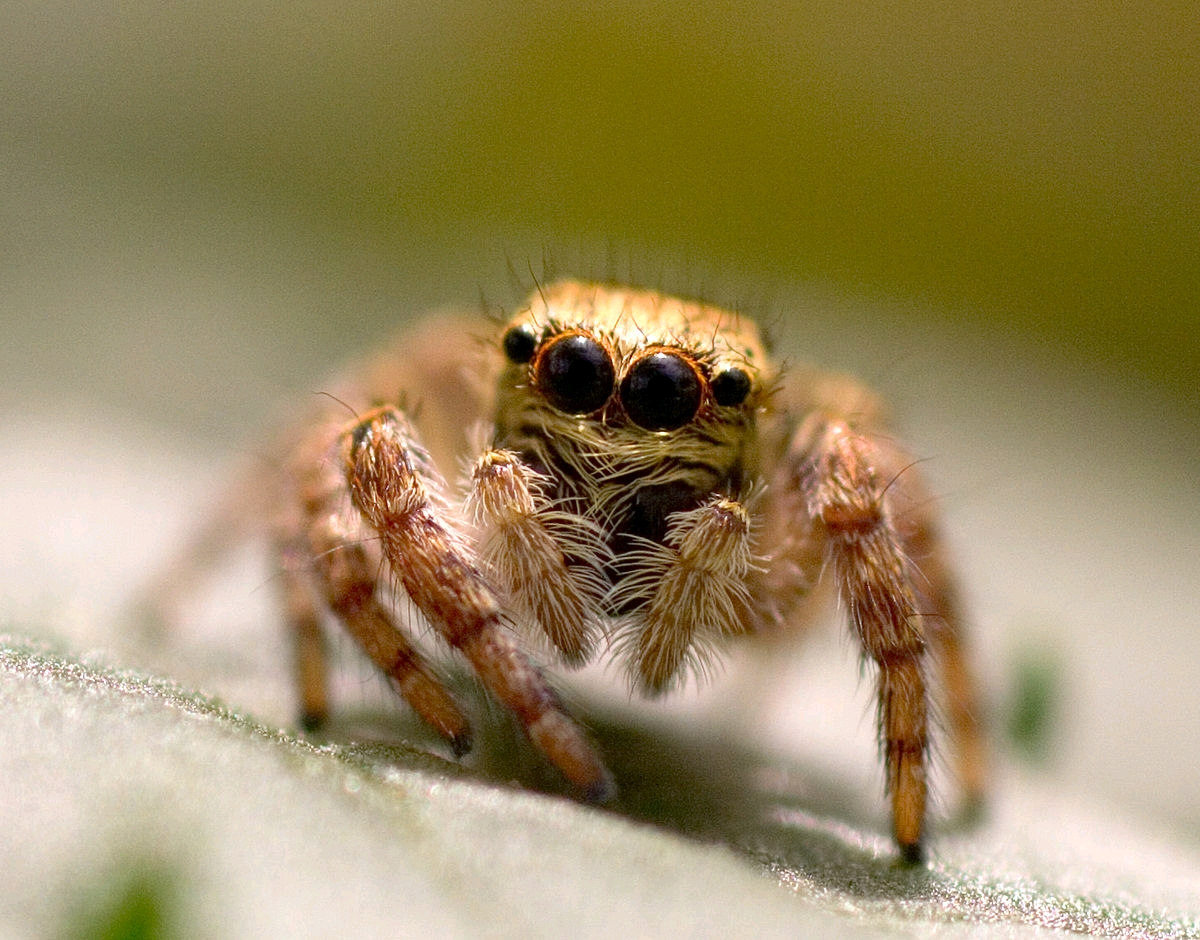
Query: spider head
x: 614, y: 384
x: 620, y: 356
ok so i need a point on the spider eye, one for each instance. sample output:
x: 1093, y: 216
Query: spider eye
x: 730, y: 386
x: 575, y: 374
x: 661, y: 392
x: 519, y: 344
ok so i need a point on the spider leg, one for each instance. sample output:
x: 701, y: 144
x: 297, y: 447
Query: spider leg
x: 961, y: 710
x: 394, y: 487
x: 303, y: 616
x: 527, y: 558
x: 689, y: 593
x: 346, y: 575
x: 839, y: 472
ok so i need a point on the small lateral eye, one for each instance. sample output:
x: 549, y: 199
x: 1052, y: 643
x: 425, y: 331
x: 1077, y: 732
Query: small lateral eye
x: 661, y: 392
x: 575, y: 374
x: 730, y: 386
x: 519, y: 344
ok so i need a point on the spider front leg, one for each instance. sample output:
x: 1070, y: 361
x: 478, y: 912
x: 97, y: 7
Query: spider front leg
x: 394, y: 487
x: 319, y: 540
x: 838, y: 473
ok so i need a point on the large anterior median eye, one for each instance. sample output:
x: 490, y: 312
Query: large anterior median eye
x: 575, y: 374
x: 661, y: 392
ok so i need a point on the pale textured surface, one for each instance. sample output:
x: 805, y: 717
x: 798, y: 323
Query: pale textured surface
x: 269, y: 836
x: 273, y: 838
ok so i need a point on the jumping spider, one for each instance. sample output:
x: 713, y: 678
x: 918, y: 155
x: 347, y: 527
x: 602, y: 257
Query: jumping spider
x: 647, y: 483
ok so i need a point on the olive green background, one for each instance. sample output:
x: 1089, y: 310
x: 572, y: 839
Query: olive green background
x: 1033, y: 165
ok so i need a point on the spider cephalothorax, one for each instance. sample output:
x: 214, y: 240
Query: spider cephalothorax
x: 637, y: 415
x: 647, y: 484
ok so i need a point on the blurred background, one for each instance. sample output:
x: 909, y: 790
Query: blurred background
x: 1032, y: 165
x: 991, y: 211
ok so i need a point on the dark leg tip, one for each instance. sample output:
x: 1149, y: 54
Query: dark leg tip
x: 602, y: 791
x: 461, y: 743
x: 312, y: 721
x: 912, y: 855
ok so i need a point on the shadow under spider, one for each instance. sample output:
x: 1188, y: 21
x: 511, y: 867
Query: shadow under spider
x: 799, y: 825
x: 814, y: 834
